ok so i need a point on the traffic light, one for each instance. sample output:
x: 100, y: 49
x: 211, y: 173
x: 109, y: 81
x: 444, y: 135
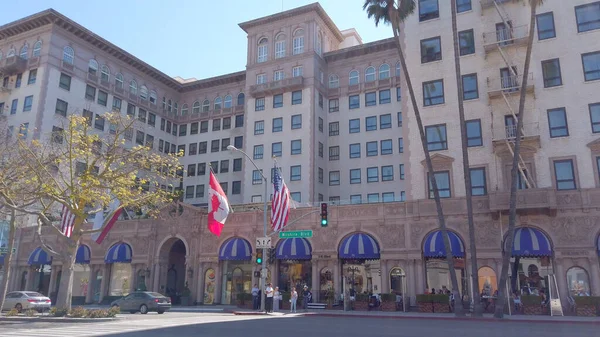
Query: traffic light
x: 323, y: 214
x: 272, y: 255
x: 259, y: 256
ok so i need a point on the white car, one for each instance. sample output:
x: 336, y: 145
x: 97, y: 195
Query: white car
x: 23, y: 300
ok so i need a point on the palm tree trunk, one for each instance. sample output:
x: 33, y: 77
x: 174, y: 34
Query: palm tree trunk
x: 512, y: 217
x: 458, y: 308
x: 8, y: 257
x: 477, y: 308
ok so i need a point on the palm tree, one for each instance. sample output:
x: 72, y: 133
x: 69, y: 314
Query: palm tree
x: 512, y: 216
x: 394, y: 12
x: 477, y: 308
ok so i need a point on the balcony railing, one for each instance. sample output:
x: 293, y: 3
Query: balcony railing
x: 508, y: 84
x: 193, y: 117
x: 13, y: 65
x: 485, y: 4
x: 277, y: 87
x: 509, y: 132
x: 505, y: 37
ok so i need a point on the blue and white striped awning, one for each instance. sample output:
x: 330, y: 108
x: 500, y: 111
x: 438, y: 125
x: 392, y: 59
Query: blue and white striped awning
x: 359, y: 246
x: 433, y: 247
x: 294, y: 249
x: 235, y: 249
x: 118, y: 253
x: 83, y: 255
x: 530, y: 242
x: 39, y: 257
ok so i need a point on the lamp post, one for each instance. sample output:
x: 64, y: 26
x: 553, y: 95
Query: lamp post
x: 263, y: 272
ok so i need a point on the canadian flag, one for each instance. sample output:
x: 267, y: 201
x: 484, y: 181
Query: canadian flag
x: 99, y: 221
x: 218, y: 206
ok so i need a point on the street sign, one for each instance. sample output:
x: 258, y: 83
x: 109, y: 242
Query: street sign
x: 296, y: 234
x: 263, y: 243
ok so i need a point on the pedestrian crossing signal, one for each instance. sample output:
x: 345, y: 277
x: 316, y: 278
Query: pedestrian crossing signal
x: 323, y: 214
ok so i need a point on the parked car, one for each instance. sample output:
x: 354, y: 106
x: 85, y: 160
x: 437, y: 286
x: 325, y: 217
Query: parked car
x: 144, y: 302
x: 21, y: 300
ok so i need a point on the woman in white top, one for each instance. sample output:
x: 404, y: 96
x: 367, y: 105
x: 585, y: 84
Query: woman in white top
x: 276, y: 298
x: 293, y: 300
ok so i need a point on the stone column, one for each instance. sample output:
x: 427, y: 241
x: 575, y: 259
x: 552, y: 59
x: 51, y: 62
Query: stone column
x: 594, y: 273
x: 315, y: 281
x: 275, y: 273
x: 89, y: 296
x: 104, y: 284
x: 410, y: 280
x: 156, y: 278
x: 200, y: 283
x: 385, y: 276
x: 336, y: 265
x: 133, y: 281
x: 561, y: 278
x: 420, y: 277
x: 219, y: 283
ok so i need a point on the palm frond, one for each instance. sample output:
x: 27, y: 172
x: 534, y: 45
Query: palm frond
x: 378, y: 10
x: 405, y: 9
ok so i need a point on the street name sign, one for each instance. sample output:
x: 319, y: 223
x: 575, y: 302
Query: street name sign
x: 296, y: 234
x: 263, y: 243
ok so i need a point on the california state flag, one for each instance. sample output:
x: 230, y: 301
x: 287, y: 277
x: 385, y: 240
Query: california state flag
x: 218, y: 206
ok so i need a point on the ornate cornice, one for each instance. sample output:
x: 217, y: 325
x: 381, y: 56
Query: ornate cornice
x: 363, y: 49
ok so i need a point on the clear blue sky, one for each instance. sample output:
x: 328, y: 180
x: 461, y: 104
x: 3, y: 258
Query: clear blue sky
x: 187, y: 38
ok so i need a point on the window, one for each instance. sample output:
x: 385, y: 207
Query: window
x: 90, y: 92
x: 431, y: 50
x: 591, y: 65
x: 296, y: 122
x: 102, y: 98
x: 239, y: 121
x: 296, y: 146
x: 466, y: 41
x: 436, y: 137
x: 203, y: 127
x: 354, y: 101
x: 259, y: 127
x: 370, y: 74
x: 224, y: 166
x: 320, y: 124
x: 278, y: 101
x: 545, y: 26
x: 117, y: 103
x: 334, y: 128
x: 399, y: 119
x: 214, y: 165
x: 259, y: 104
x: 238, y: 142
x: 371, y: 123
x: 442, y: 180
x: 193, y: 149
x: 385, y: 96
x: 557, y: 123
x: 463, y: 6
x: 401, y: 171
x: 401, y: 145
x: 89, y: 116
x: 131, y: 113
x: 387, y: 173
x: 297, y: 71
x: 334, y: 81
x: 470, y: 89
x: 119, y: 81
x: 258, y: 152
x: 353, y: 78
x: 334, y: 178
x: 23, y: 129
x: 276, y: 149
x: 355, y: 150
x: 226, y: 123
x: 297, y: 97
x: 278, y: 75
x: 588, y: 17
x: 61, y: 107
x: 174, y: 133
x: 57, y: 134
x: 32, y: 76
x: 263, y: 50
x: 298, y: 42
x: 277, y: 124
x: 385, y: 121
x: 433, y: 92
x: 201, y: 169
x: 65, y: 82
x: 595, y: 117
x: 384, y: 71
x: 372, y: 149
x: 218, y: 103
x: 355, y: 176
x: 261, y: 79
x: 191, y: 170
x: 18, y: 80
x: 398, y: 94
x: 387, y: 197
x: 334, y: 153
x: 321, y: 146
x: 37, y: 48
x: 334, y: 105
x: 202, y: 147
x: 27, y: 103
x: 354, y: 125
x: 473, y: 128
x: 370, y: 98
x: 372, y: 174
x: 564, y: 174
x: 279, y: 46
x: 356, y: 199
x: 295, y: 173
x: 99, y: 123
x: 236, y: 187
x: 215, y: 145
x: 237, y: 164
x: 225, y: 142
x: 194, y: 128
x: 386, y: 146
x: 296, y: 196
x: 551, y: 72
x: 133, y: 87
x: 320, y: 174
x: 478, y: 181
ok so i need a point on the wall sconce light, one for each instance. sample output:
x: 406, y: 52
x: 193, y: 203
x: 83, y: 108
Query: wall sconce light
x: 190, y: 272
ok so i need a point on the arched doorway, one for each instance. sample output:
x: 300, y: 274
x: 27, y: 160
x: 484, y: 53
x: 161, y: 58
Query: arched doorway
x: 174, y: 252
x: 488, y: 283
x: 360, y: 253
x: 41, y: 262
x: 235, y: 256
x: 119, y: 257
x: 436, y: 267
x: 295, y: 267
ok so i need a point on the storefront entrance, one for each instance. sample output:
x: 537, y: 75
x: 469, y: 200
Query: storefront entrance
x: 436, y: 266
x: 41, y: 263
x: 119, y: 257
x: 235, y: 257
x: 361, y: 270
x: 295, y: 268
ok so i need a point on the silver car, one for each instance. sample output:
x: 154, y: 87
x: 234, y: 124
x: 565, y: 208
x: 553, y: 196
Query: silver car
x: 23, y: 300
x: 144, y: 302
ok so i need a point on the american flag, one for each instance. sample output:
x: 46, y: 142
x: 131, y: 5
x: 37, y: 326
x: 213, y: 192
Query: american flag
x: 280, y: 205
x: 67, y: 221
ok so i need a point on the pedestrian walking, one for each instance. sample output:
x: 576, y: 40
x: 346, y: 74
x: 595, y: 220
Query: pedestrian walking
x: 255, y: 304
x: 276, y: 298
x: 293, y: 300
x: 306, y: 297
x: 269, y: 301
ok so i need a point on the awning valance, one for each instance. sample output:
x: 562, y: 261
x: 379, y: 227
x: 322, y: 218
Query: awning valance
x: 119, y: 253
x: 38, y: 257
x: 433, y: 248
x: 359, y: 246
x: 83, y: 255
x: 294, y: 249
x: 531, y: 242
x: 235, y: 249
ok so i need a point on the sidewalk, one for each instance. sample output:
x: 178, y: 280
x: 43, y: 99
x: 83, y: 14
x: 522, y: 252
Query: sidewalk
x: 196, y: 308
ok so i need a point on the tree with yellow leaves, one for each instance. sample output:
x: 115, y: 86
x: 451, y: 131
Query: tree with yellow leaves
x: 79, y: 170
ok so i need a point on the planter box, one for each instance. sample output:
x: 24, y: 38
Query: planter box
x: 388, y: 306
x: 532, y: 309
x: 441, y: 308
x: 425, y: 307
x: 361, y: 306
x: 586, y: 310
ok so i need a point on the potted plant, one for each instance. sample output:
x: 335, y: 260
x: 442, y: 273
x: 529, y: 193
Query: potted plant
x: 388, y: 302
x: 186, y: 295
x: 361, y: 302
x: 532, y: 304
x: 587, y: 305
x: 433, y: 303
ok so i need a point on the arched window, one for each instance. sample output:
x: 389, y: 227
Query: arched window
x: 68, y: 55
x: 280, y: 46
x: 398, y: 69
x: 175, y: 108
x: 384, y: 71
x: 143, y: 92
x: 104, y: 73
x: 263, y: 50
x: 298, y: 42
x: 578, y: 282
x: 93, y: 67
x: 370, y: 74
x: 37, y: 49
x: 353, y: 78
x: 241, y: 98
x: 319, y: 43
x: 11, y: 52
x: 24, y: 54
x: 227, y: 102
x: 119, y: 81
x: 169, y: 106
x: 196, y: 107
x: 153, y: 97
x: 218, y: 104
x: 205, y: 105
x: 334, y: 81
x: 133, y: 87
x: 488, y: 282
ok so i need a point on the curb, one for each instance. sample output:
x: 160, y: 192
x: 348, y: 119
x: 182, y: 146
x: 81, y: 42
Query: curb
x: 249, y: 313
x: 56, y: 319
x: 469, y: 319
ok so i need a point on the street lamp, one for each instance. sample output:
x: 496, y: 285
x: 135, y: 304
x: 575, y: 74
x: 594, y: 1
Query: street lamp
x: 263, y: 272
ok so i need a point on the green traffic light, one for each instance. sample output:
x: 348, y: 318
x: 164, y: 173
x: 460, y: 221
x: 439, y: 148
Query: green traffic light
x: 323, y: 222
x: 259, y: 260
